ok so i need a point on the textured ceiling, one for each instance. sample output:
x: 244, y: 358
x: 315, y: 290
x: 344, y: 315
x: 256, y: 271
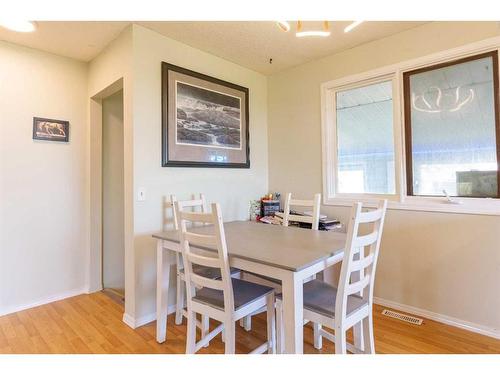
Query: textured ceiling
x: 252, y: 44
x: 247, y: 43
x: 78, y: 40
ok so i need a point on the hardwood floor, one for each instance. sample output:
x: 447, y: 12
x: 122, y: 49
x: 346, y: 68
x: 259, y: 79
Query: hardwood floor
x: 92, y: 324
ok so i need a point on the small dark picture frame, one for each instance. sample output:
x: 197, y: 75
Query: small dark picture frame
x: 46, y: 129
x: 205, y: 121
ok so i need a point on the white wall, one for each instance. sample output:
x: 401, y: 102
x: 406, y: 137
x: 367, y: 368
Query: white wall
x: 43, y: 224
x: 232, y: 188
x: 443, y: 263
x: 110, y: 71
x: 113, y: 244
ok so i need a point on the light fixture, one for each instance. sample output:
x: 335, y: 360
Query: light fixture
x: 301, y: 33
x: 19, y: 26
x: 325, y: 30
x: 284, y: 25
x: 352, y: 26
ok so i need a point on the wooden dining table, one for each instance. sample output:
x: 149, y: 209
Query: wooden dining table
x: 288, y: 254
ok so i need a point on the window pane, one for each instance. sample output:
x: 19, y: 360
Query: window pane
x: 365, y: 140
x: 453, y: 130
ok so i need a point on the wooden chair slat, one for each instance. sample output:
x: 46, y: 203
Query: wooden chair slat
x: 196, y: 239
x: 366, y: 240
x: 370, y: 216
x: 203, y: 260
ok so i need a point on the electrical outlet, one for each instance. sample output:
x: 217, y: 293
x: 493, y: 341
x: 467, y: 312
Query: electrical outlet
x: 141, y: 194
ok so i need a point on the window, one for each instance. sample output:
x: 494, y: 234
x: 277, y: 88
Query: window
x: 416, y: 132
x: 365, y: 140
x: 452, y: 128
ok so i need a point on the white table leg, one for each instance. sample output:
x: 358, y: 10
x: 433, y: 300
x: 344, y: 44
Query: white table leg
x: 293, y: 314
x: 162, y: 284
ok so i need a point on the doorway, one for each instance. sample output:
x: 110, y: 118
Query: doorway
x: 113, y: 243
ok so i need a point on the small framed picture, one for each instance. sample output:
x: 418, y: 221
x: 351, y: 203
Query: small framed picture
x: 50, y: 130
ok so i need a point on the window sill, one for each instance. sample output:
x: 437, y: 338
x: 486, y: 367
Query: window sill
x: 469, y: 206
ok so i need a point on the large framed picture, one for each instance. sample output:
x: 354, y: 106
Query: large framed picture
x: 46, y: 129
x: 204, y: 121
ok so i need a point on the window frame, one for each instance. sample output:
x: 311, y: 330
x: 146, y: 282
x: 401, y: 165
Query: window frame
x: 407, y: 117
x: 331, y: 98
x: 400, y: 200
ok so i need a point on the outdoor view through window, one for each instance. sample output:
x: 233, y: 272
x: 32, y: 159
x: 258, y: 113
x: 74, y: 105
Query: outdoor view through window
x: 365, y: 139
x: 451, y: 133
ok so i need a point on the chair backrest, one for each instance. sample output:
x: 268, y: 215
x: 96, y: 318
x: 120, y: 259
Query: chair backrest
x: 193, y: 203
x: 314, y: 205
x: 357, y: 273
x: 192, y: 245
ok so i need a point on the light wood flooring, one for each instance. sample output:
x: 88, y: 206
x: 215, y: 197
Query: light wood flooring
x: 93, y: 324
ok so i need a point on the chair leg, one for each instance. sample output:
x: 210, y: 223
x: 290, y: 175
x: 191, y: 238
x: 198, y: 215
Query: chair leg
x: 358, y: 335
x: 271, y: 325
x: 179, y: 303
x: 230, y: 337
x: 191, y: 333
x: 247, y: 323
x: 318, y: 338
x: 279, y: 328
x: 205, y: 327
x: 368, y: 334
x: 340, y: 340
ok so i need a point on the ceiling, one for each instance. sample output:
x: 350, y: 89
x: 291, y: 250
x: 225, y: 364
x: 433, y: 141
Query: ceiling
x: 78, y: 40
x: 247, y: 43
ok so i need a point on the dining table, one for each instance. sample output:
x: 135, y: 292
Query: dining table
x: 289, y: 254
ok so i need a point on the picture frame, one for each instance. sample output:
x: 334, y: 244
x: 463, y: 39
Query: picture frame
x: 205, y: 120
x: 45, y: 129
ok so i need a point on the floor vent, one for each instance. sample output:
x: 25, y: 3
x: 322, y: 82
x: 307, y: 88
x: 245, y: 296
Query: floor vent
x: 403, y: 317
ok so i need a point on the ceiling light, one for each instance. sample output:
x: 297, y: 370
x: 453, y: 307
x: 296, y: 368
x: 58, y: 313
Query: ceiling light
x: 352, y: 26
x: 19, y: 26
x: 284, y: 25
x: 301, y: 33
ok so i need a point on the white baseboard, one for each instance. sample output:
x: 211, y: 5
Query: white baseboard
x: 469, y: 326
x: 145, y: 319
x: 49, y: 299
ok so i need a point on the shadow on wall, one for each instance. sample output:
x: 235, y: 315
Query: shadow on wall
x: 145, y: 262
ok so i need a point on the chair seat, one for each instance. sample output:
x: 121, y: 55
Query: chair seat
x: 320, y: 297
x: 244, y: 292
x: 209, y: 272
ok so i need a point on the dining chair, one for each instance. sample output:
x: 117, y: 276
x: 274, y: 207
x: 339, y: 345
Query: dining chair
x: 349, y: 305
x: 313, y: 204
x: 226, y: 299
x: 180, y: 311
x: 285, y: 218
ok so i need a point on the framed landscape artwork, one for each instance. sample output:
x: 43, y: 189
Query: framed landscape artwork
x: 50, y: 130
x: 204, y: 121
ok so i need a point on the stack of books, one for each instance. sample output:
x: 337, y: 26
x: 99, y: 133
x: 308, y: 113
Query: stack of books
x: 325, y: 223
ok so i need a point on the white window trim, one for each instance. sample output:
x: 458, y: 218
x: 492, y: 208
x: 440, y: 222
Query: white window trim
x: 399, y: 200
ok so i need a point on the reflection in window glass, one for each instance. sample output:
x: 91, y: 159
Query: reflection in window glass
x: 365, y: 139
x: 453, y: 136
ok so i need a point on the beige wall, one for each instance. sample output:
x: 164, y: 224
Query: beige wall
x: 110, y: 71
x: 232, y: 188
x: 444, y: 263
x: 113, y: 246
x: 43, y: 225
